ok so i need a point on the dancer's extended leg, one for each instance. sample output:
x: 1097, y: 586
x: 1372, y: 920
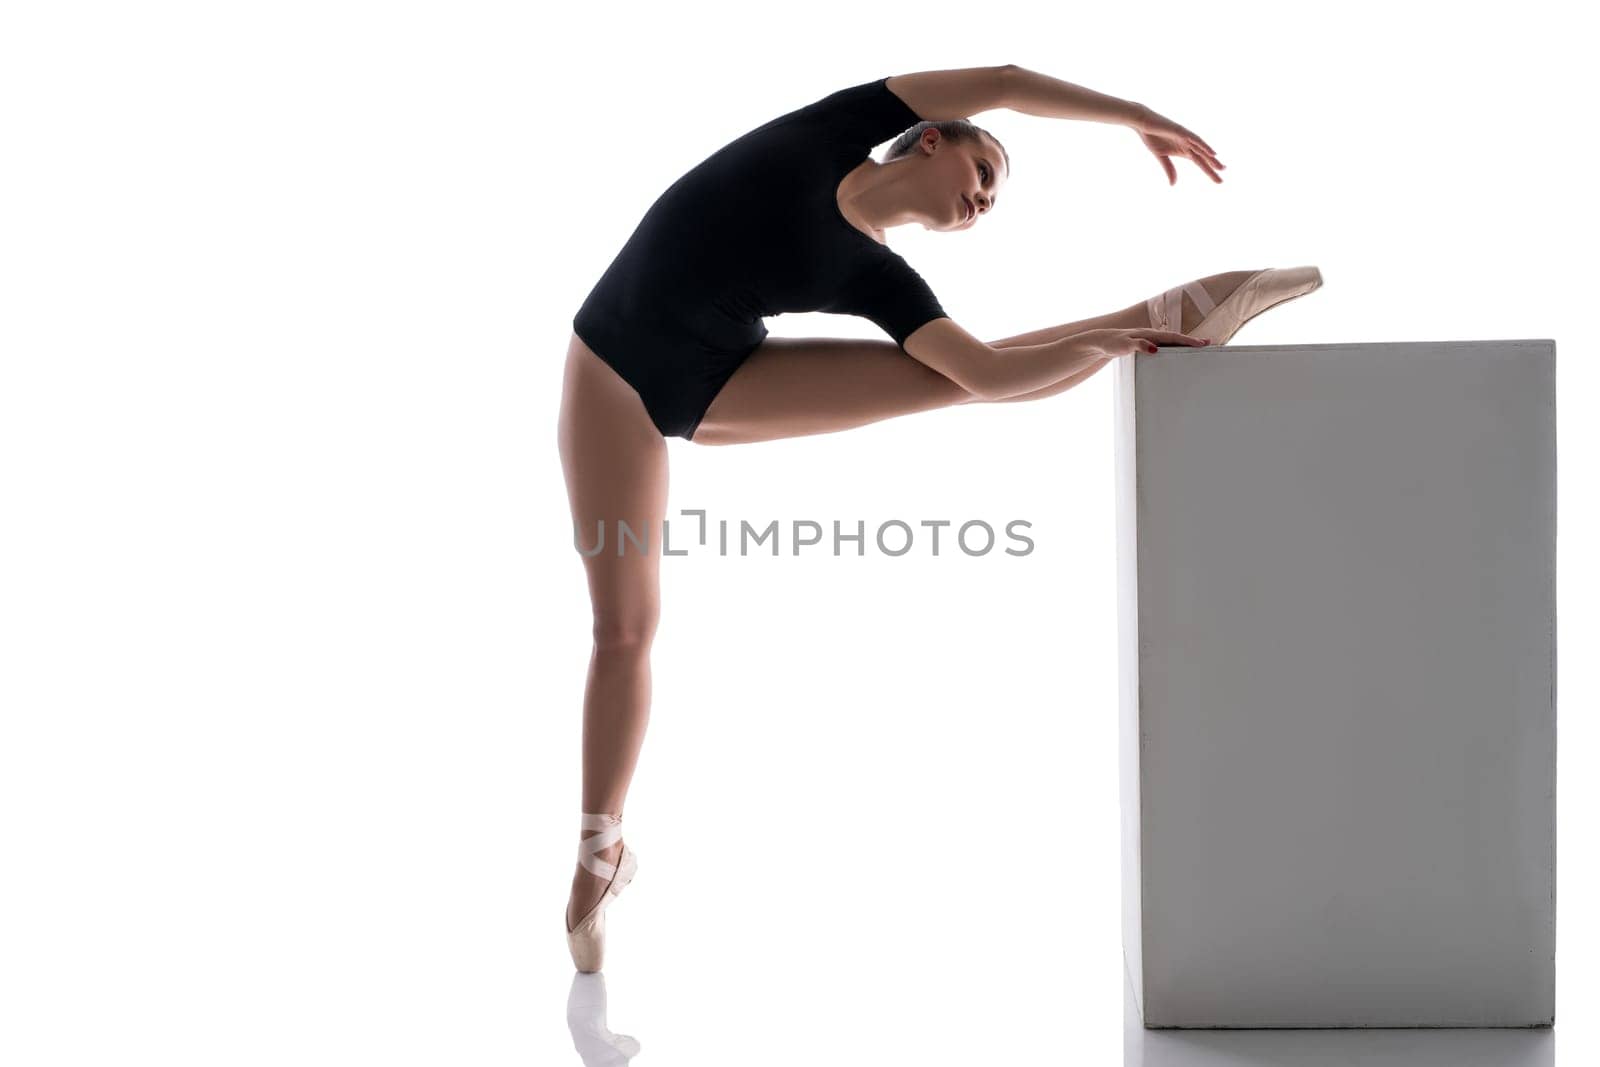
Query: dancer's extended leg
x: 791, y: 387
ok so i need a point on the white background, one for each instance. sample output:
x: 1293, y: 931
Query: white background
x: 294, y: 634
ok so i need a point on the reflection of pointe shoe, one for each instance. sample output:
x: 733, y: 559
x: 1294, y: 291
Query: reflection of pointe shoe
x: 587, y: 940
x: 1262, y: 290
x: 586, y: 1020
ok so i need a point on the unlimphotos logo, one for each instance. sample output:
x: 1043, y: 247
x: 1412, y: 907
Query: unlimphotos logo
x: 892, y: 537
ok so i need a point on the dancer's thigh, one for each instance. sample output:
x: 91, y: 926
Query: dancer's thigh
x: 790, y: 387
x: 615, y: 463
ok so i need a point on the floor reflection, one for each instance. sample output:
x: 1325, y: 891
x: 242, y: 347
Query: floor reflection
x: 1329, y: 1048
x: 598, y: 1047
x: 586, y: 1019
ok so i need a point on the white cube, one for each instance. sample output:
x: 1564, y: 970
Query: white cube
x: 1336, y: 574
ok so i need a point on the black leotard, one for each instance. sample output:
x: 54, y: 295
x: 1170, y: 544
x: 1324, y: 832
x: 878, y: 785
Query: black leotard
x: 753, y: 230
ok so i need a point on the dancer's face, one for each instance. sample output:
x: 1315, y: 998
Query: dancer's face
x: 958, y: 174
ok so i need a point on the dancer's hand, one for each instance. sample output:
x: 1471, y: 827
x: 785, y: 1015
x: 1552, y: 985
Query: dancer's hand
x: 1166, y: 138
x: 1114, y: 343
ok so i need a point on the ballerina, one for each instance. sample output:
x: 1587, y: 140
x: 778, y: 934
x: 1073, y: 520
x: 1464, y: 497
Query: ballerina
x: 792, y: 216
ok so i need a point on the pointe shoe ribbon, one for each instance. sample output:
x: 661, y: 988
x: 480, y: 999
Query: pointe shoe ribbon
x: 610, y: 827
x: 1166, y: 310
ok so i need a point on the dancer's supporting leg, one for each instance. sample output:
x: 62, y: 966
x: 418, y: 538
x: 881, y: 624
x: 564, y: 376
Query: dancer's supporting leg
x: 615, y: 462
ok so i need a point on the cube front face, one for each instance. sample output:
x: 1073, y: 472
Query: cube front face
x: 1337, y: 587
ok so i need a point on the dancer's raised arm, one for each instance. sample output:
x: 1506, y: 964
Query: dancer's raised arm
x: 1032, y: 93
x: 939, y: 95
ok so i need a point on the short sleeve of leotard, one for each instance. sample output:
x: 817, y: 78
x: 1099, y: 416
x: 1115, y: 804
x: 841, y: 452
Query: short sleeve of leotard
x: 892, y: 294
x: 862, y: 116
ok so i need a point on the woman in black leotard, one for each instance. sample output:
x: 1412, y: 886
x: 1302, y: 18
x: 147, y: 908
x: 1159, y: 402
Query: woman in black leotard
x: 791, y: 217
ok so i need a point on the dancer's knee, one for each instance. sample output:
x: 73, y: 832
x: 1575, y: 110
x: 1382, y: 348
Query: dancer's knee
x: 625, y: 631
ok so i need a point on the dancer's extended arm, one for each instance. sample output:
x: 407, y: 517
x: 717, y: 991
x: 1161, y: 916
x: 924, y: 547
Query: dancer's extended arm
x: 991, y: 373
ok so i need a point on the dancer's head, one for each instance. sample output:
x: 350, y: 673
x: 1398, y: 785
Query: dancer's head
x: 954, y: 162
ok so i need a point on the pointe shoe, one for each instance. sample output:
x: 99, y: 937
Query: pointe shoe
x: 1262, y: 290
x: 587, y: 940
